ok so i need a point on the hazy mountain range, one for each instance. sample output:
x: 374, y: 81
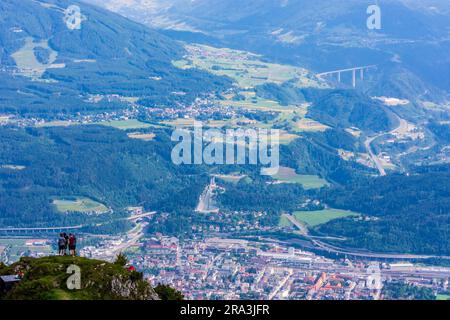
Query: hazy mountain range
x: 320, y: 35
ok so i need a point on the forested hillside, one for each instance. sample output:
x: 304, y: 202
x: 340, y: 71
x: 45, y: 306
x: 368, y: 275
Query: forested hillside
x: 48, y: 68
x: 334, y: 107
x: 345, y: 109
x: 100, y: 163
x: 411, y: 212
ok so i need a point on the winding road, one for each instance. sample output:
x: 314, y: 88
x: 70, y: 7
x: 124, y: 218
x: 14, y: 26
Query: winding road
x: 373, y: 156
x: 402, y: 126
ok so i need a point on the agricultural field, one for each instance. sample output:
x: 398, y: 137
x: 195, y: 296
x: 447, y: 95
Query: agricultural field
x: 309, y: 125
x: 252, y: 102
x: 118, y: 124
x: 56, y: 123
x: 230, y: 178
x: 180, y: 122
x: 248, y: 71
x: 245, y: 68
x: 288, y: 175
x: 315, y: 218
x: 142, y: 136
x: 80, y: 205
x: 296, y: 121
x: 292, y: 117
x: 285, y: 137
x: 126, y: 124
x: 188, y: 123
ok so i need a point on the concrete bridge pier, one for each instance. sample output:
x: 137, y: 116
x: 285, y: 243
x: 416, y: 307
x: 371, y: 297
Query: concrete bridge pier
x: 354, y: 78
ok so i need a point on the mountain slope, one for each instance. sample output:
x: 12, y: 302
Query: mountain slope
x: 412, y: 212
x: 349, y: 109
x: 54, y: 68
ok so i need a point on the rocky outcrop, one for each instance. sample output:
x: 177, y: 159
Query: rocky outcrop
x: 52, y: 278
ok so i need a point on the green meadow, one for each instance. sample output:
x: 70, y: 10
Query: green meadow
x: 288, y: 175
x: 81, y: 205
x: 315, y: 218
x: 126, y: 124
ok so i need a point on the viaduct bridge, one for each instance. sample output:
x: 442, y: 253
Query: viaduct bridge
x: 29, y: 231
x: 354, y: 72
x: 55, y: 230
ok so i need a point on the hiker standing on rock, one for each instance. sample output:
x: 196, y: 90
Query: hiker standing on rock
x: 66, y: 237
x: 61, y: 244
x: 72, y: 244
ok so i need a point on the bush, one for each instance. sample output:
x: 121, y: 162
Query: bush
x: 121, y: 260
x: 167, y: 293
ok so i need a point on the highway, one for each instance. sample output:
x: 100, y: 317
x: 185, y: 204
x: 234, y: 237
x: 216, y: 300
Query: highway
x: 138, y: 216
x: 43, y: 229
x: 372, y: 155
x: 402, y: 126
x: 297, y: 224
x: 133, y: 237
x: 358, y: 253
x: 68, y: 228
x: 355, y: 253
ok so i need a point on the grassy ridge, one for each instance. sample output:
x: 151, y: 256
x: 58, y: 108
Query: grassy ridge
x: 46, y: 279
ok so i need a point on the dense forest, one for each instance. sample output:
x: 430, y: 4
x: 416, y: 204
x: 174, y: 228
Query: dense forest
x: 97, y: 162
x: 404, y: 291
x: 315, y: 154
x: 261, y: 196
x: 410, y: 213
x: 337, y: 108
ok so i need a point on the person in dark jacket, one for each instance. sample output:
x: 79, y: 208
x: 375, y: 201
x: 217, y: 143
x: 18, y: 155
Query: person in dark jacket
x: 66, y: 237
x: 61, y: 244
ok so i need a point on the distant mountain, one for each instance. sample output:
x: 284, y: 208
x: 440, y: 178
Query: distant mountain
x: 49, y: 66
x: 320, y: 35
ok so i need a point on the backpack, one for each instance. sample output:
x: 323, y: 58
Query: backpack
x: 61, y: 242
